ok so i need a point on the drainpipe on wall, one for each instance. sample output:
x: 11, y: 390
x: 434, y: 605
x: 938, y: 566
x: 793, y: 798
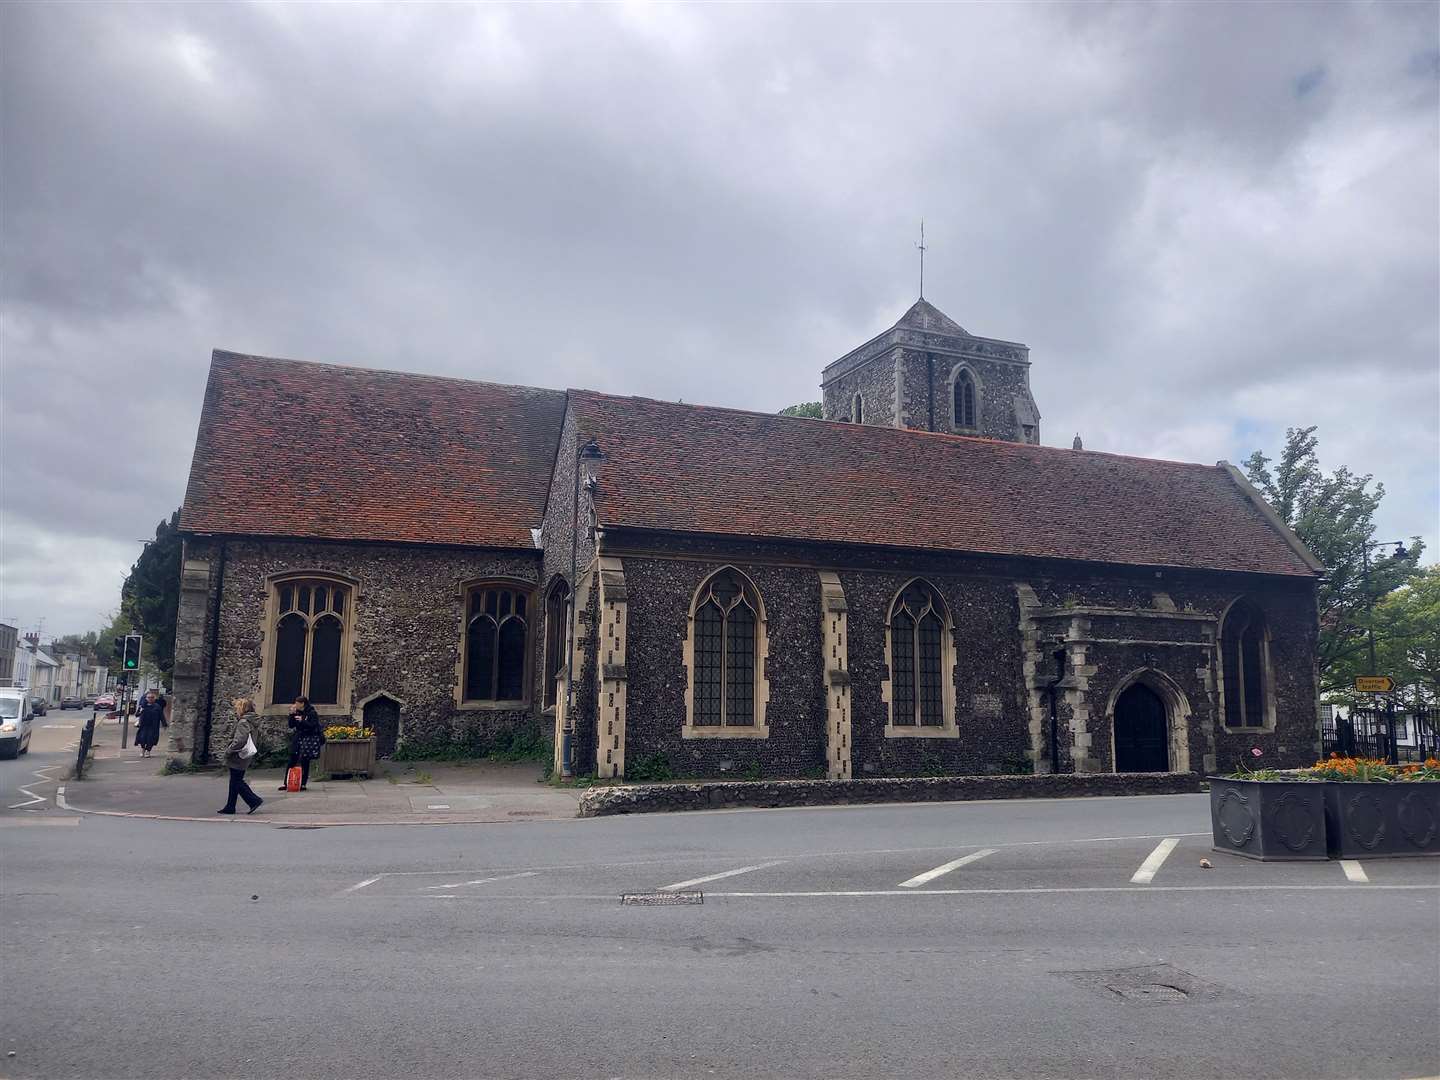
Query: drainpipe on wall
x: 214, y: 652
x: 589, y: 451
x: 1054, y: 688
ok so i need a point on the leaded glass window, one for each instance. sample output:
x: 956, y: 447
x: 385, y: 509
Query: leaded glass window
x: 725, y: 651
x: 496, y: 631
x: 309, y: 642
x: 557, y: 620
x: 964, y: 403
x: 917, y: 658
x: 1242, y: 666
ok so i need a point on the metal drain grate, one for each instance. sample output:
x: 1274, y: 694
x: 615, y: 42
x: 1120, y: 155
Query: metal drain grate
x: 1149, y: 984
x: 662, y: 899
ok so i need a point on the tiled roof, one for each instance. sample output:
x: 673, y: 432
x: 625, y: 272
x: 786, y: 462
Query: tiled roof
x: 688, y: 468
x: 297, y: 449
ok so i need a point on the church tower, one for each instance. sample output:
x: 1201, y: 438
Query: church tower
x: 927, y: 372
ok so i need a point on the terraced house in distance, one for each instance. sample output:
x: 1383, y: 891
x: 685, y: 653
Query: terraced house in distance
x: 911, y: 586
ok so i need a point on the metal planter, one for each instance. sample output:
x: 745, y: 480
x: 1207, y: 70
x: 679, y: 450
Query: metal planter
x: 1369, y: 820
x: 1269, y: 820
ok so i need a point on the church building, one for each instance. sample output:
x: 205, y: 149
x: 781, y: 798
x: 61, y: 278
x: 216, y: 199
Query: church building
x: 911, y: 586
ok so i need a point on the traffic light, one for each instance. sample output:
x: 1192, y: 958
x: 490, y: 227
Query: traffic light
x: 118, y: 644
x: 130, y: 659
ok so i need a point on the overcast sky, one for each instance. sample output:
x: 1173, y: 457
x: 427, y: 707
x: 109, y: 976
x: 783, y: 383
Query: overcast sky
x: 1209, y: 222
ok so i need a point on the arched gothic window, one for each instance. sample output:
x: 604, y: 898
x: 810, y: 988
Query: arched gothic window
x: 496, y: 637
x: 859, y: 410
x: 311, y: 619
x: 725, y: 654
x: 1243, y: 664
x: 920, y: 694
x: 963, y: 404
x: 557, y: 636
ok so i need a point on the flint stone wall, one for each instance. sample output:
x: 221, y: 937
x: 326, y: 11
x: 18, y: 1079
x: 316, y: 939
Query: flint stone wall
x: 656, y: 798
x: 407, y: 615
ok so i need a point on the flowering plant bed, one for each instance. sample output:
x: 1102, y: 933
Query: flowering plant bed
x: 348, y: 751
x: 1341, y: 808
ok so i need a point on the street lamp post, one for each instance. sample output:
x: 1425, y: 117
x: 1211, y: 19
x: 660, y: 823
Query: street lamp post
x: 1392, y: 754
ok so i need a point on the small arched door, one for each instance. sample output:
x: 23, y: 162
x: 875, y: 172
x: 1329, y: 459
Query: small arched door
x: 382, y: 716
x: 1142, y: 735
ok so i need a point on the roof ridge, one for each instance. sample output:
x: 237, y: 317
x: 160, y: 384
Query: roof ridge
x: 894, y: 432
x: 217, y: 354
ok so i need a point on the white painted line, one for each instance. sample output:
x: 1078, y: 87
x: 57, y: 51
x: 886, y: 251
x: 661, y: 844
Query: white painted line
x: 484, y: 880
x: 62, y: 727
x: 945, y: 868
x: 438, y: 806
x: 60, y: 798
x: 716, y: 877
x: 1153, y: 862
x: 1354, y: 872
x: 363, y: 884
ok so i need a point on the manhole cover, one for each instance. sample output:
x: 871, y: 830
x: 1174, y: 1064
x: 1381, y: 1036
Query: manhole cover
x: 662, y: 899
x: 1148, y: 984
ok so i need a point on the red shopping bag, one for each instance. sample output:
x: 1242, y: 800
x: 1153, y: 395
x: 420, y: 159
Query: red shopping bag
x: 292, y: 778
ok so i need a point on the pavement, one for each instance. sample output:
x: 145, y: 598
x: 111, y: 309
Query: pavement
x: 121, y: 782
x: 1035, y: 939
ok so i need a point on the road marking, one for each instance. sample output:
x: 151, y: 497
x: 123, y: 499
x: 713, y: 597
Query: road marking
x: 1156, y: 890
x: 62, y: 727
x: 945, y: 868
x: 1154, y: 861
x: 438, y: 806
x: 361, y: 885
x: 484, y: 880
x: 1354, y: 872
x: 716, y: 877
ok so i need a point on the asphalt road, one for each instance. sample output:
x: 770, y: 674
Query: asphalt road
x: 961, y: 940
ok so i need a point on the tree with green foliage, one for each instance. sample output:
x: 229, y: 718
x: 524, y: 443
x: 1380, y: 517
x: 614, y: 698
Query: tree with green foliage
x: 1407, y: 643
x: 150, y: 596
x: 811, y: 409
x: 1334, y: 515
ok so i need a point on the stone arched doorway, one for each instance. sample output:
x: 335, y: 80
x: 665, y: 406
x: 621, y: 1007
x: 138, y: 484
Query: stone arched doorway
x: 1142, y: 731
x: 381, y: 713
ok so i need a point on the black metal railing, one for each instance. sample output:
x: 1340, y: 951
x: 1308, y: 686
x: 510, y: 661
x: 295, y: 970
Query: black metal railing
x: 1367, y: 733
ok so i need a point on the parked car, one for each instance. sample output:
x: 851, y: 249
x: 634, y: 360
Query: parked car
x: 15, y: 722
x: 38, y: 706
x: 72, y: 703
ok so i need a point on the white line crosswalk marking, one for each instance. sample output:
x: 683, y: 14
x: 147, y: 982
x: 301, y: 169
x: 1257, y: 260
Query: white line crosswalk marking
x: 945, y: 868
x: 1354, y: 872
x: 716, y: 877
x: 1154, y: 861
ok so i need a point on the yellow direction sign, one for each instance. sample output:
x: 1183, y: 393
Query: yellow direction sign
x: 1374, y: 684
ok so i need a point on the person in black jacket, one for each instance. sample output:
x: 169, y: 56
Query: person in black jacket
x: 153, y: 714
x: 306, y: 738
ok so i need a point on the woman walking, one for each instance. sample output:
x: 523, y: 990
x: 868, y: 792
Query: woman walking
x: 154, y: 714
x: 238, y: 755
x: 306, y: 739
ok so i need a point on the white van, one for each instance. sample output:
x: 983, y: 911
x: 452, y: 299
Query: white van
x: 16, y: 720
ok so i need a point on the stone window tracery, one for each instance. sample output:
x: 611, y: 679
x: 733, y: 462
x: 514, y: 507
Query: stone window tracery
x: 859, y: 410
x: 1244, y: 667
x: 309, y: 641
x: 497, y: 633
x: 557, y: 619
x: 920, y: 656
x: 725, y: 657
x: 964, y: 401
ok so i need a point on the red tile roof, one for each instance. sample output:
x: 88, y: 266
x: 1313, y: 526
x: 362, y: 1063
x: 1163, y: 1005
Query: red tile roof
x: 688, y: 468
x: 311, y: 450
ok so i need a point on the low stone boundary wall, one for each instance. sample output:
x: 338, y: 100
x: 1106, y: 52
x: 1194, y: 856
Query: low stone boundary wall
x: 654, y: 798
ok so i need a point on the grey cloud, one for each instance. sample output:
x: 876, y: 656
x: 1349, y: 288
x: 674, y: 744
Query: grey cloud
x: 709, y: 204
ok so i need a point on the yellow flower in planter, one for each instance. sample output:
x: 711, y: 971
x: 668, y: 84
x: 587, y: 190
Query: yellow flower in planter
x: 345, y: 731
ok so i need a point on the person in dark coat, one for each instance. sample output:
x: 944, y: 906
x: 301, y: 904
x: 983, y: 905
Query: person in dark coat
x: 306, y: 739
x: 154, y: 714
x: 236, y: 760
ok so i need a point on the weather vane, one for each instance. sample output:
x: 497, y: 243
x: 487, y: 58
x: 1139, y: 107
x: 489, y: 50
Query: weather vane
x: 921, y: 246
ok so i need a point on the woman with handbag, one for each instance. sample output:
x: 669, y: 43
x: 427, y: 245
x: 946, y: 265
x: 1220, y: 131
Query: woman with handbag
x: 306, y: 739
x: 238, y: 756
